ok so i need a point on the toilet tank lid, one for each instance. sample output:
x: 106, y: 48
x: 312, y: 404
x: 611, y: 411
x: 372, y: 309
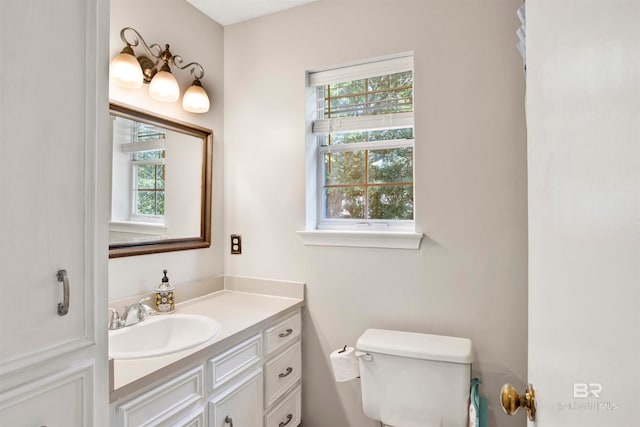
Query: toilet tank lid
x: 418, y: 346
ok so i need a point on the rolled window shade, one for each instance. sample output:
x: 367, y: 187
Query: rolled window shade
x: 362, y: 71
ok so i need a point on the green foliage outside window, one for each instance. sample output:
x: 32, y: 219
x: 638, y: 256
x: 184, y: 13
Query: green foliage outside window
x: 369, y: 184
x: 383, y: 190
x: 377, y: 95
x: 149, y: 183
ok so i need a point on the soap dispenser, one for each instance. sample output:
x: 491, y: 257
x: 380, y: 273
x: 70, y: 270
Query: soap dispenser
x: 164, y: 296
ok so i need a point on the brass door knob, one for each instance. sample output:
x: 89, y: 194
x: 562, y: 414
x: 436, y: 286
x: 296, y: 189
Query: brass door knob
x: 512, y: 401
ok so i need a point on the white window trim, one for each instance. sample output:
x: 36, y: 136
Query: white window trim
x: 373, y: 234
x: 150, y: 219
x: 362, y: 239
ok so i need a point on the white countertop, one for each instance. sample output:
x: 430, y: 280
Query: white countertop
x: 236, y: 311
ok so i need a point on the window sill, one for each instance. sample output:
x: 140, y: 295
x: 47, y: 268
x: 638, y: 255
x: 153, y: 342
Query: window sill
x: 154, y: 229
x: 362, y: 239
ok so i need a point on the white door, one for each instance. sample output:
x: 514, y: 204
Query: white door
x: 583, y: 118
x: 53, y: 110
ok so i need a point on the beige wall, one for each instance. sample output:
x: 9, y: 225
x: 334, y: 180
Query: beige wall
x: 469, y: 277
x: 195, y: 37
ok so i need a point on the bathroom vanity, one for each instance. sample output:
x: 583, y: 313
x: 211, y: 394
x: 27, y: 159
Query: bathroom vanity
x: 248, y: 375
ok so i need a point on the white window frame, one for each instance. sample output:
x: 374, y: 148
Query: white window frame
x: 358, y: 224
x: 319, y: 231
x: 134, y: 215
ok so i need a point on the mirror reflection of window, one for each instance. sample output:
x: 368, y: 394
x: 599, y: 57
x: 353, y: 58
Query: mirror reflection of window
x: 156, y: 183
x: 148, y: 186
x: 147, y: 150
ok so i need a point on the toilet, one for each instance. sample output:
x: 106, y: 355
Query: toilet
x: 415, y: 380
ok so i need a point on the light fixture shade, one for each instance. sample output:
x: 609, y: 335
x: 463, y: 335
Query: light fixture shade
x: 164, y: 87
x: 125, y: 71
x: 195, y: 99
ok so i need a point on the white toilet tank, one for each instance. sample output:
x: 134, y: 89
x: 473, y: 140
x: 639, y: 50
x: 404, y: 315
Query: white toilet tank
x: 415, y: 380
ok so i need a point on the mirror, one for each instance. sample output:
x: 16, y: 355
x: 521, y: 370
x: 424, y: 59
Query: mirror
x: 160, y: 184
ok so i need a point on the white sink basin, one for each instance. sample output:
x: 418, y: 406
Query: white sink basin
x: 160, y: 335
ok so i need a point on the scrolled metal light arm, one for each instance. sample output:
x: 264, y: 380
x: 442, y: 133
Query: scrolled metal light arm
x: 162, y: 55
x: 137, y: 39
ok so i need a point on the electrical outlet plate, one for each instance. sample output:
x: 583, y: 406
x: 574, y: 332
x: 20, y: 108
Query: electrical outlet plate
x: 236, y: 244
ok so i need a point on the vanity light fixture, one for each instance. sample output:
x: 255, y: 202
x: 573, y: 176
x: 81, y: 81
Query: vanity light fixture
x: 130, y: 72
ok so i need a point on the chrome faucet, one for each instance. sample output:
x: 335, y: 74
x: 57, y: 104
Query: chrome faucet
x: 135, y: 313
x: 115, y: 322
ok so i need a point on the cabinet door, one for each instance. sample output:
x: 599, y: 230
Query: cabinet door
x: 55, y: 401
x: 45, y: 188
x: 53, y: 54
x: 240, y: 406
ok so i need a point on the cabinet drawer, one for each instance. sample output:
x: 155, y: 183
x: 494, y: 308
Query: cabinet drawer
x: 282, y: 334
x: 235, y: 361
x: 287, y: 413
x: 162, y: 403
x: 281, y: 373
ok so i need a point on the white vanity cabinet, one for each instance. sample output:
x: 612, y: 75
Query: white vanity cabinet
x: 53, y: 367
x: 253, y: 383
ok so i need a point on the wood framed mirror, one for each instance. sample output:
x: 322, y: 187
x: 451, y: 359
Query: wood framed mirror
x: 160, y: 184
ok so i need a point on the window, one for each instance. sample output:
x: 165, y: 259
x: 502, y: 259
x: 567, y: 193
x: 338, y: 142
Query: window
x: 362, y: 142
x: 147, y: 171
x: 148, y: 185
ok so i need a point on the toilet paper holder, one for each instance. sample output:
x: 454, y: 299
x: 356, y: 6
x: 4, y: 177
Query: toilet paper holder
x: 359, y: 354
